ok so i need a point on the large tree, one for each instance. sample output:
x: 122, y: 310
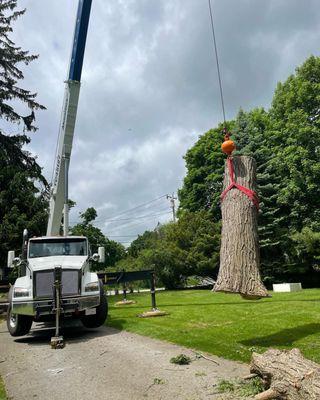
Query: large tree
x: 23, y: 188
x: 285, y: 143
x: 295, y: 121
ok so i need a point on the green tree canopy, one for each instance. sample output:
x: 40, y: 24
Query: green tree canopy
x: 23, y: 189
x: 177, y: 250
x: 11, y: 56
x: 114, y: 251
x: 285, y: 143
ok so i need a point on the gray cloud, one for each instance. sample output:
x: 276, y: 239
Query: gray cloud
x: 149, y: 87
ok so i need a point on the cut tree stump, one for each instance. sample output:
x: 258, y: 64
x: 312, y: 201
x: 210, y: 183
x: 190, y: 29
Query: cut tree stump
x: 287, y: 375
x: 239, y: 252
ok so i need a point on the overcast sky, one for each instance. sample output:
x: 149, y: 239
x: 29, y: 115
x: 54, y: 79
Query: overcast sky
x: 149, y: 89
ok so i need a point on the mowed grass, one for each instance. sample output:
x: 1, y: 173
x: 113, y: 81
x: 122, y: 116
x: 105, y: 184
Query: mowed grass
x: 3, y: 395
x: 225, y: 324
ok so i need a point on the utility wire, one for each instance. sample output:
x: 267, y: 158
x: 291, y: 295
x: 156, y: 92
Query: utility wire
x: 123, y: 236
x: 128, y: 226
x: 217, y: 62
x: 133, y: 218
x: 123, y: 212
x: 136, y: 207
x: 132, y: 223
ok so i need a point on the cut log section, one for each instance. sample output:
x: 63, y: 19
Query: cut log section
x: 239, y: 252
x: 287, y: 375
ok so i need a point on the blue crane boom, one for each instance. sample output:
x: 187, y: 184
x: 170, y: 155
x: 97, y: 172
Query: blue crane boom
x: 79, y: 40
x: 59, y: 191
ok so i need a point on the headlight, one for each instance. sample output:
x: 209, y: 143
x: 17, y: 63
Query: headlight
x: 92, y: 287
x: 21, y: 292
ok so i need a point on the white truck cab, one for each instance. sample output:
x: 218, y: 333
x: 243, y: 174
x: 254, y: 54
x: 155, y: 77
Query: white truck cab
x: 32, y: 298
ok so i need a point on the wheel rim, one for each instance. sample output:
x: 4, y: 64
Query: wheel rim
x: 13, y: 320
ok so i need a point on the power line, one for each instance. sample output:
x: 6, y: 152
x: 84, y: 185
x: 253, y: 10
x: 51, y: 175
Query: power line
x: 132, y: 225
x: 125, y: 211
x: 125, y: 224
x: 133, y: 218
x: 123, y: 236
x: 138, y: 206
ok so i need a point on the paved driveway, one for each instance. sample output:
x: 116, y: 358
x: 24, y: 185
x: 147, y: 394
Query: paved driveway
x: 105, y: 364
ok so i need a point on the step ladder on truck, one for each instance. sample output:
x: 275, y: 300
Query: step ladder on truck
x: 55, y: 280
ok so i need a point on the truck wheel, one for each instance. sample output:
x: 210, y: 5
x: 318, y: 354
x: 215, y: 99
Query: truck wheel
x: 18, y: 325
x: 94, y: 321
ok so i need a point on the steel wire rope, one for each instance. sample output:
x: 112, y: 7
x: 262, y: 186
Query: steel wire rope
x: 218, y: 64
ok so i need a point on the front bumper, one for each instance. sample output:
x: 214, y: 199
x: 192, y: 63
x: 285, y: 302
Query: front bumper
x: 37, y: 308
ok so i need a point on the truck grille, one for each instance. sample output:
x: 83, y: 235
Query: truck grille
x: 43, y: 283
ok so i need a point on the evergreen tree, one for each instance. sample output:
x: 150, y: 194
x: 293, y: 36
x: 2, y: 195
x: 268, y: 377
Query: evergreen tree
x: 10, y: 73
x: 23, y: 189
x: 252, y: 135
x: 203, y: 183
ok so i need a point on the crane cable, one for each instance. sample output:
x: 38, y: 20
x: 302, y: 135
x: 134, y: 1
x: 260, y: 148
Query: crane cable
x: 218, y: 67
x: 251, y: 194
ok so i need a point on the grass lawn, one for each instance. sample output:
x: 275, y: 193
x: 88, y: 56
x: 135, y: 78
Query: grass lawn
x: 2, y: 390
x: 225, y: 324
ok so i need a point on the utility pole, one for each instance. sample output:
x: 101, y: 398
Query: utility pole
x: 173, y: 205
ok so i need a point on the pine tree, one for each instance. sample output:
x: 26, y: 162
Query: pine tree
x: 23, y: 188
x: 252, y: 136
x: 10, y: 58
x: 202, y: 185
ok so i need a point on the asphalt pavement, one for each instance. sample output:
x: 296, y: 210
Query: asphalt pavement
x: 105, y: 363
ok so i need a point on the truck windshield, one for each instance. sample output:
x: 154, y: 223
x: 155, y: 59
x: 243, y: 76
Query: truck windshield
x: 57, y: 247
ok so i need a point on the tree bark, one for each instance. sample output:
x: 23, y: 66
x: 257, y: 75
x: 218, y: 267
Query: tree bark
x: 287, y: 375
x: 239, y: 252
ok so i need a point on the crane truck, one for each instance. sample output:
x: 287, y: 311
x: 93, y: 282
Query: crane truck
x: 55, y: 280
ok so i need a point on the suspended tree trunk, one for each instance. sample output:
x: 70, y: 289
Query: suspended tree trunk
x: 239, y: 253
x: 287, y: 375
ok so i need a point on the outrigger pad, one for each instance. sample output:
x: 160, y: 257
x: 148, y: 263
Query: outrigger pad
x: 57, y: 342
x: 125, y: 302
x: 153, y: 313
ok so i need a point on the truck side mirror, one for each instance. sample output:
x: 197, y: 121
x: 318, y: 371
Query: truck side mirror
x: 102, y: 255
x: 11, y: 256
x: 16, y: 262
x: 95, y: 257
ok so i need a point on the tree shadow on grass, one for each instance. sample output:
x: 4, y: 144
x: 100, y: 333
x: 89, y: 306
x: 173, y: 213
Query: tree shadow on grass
x: 285, y: 337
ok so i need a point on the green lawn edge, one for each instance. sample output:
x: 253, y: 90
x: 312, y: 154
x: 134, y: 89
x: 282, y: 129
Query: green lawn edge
x: 224, y: 324
x: 3, y: 394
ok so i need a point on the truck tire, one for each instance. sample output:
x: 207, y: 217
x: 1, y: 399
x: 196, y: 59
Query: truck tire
x: 18, y: 325
x: 98, y: 319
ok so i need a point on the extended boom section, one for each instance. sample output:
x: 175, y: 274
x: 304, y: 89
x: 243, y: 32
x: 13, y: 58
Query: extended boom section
x: 59, y: 194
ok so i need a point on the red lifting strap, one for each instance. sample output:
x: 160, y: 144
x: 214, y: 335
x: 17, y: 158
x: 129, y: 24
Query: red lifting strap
x: 250, y: 193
